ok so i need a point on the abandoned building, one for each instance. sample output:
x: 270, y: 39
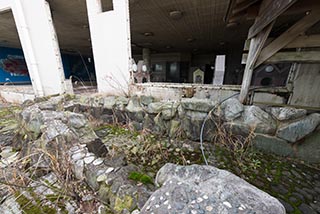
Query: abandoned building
x: 156, y: 48
x: 130, y: 85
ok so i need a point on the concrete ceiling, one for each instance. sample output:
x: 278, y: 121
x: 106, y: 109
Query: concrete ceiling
x: 201, y: 27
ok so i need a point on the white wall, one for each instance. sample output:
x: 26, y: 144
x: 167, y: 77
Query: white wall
x: 111, y: 44
x: 40, y: 46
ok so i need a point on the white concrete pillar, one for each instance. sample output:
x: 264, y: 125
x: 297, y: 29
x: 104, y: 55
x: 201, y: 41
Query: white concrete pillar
x: 5, y: 5
x: 111, y: 44
x: 146, y: 55
x: 40, y: 46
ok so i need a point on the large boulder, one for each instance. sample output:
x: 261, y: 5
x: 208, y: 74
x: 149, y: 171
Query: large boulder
x: 284, y: 114
x: 230, y: 109
x: 297, y: 130
x: 206, y: 189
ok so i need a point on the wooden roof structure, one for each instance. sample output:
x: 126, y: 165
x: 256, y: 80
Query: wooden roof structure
x: 291, y: 45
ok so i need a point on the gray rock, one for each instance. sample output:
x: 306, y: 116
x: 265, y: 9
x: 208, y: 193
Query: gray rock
x: 76, y: 120
x: 193, y: 104
x: 174, y: 128
x: 97, y: 147
x: 237, y: 128
x: 146, y: 100
x: 284, y: 114
x: 274, y: 145
x: 32, y: 119
x: 258, y: 120
x: 159, y: 124
x: 192, y: 123
x: 134, y: 105
x: 109, y: 102
x: 122, y: 193
x: 297, y: 130
x: 206, y: 189
x: 309, y: 149
x: 148, y: 123
x: 78, y: 169
x: 121, y: 102
x: 157, y: 107
x: 168, y: 114
x: 54, y: 129
x: 229, y: 110
x: 10, y: 206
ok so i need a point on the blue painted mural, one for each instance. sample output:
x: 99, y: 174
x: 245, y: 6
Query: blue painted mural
x: 13, y: 68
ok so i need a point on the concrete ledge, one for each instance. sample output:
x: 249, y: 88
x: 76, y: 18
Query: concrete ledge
x: 16, y: 96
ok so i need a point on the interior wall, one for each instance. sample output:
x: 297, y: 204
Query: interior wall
x: 306, y: 86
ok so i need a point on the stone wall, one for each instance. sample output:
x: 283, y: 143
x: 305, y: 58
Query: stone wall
x: 287, y: 132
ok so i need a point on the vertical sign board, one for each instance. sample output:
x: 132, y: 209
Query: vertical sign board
x: 219, y: 70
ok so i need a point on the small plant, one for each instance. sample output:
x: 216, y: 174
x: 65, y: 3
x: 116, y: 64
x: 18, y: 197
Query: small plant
x: 238, y: 146
x: 140, y: 177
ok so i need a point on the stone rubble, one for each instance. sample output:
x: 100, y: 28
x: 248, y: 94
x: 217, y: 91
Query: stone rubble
x: 190, y: 189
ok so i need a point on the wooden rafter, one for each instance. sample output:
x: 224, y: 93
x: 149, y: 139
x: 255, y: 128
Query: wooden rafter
x: 303, y: 41
x: 243, y: 5
x: 290, y: 56
x: 269, y: 11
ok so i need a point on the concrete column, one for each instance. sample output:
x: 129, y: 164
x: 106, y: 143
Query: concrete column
x: 40, y: 46
x: 5, y: 5
x: 146, y: 55
x: 111, y: 45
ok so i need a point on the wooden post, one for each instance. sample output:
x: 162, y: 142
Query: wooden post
x: 256, y: 46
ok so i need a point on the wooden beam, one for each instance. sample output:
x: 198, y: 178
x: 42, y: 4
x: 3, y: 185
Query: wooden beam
x: 269, y: 11
x: 243, y: 5
x: 290, y: 35
x: 232, y: 3
x: 256, y: 46
x: 309, y: 41
x: 283, y: 57
x: 304, y: 41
